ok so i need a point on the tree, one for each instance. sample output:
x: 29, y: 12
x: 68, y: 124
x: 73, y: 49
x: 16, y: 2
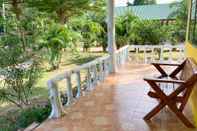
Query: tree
x: 19, y: 64
x: 123, y: 28
x: 98, y: 15
x: 55, y: 38
x: 18, y: 71
x: 144, y: 2
x: 178, y: 29
x: 62, y: 9
x: 130, y: 28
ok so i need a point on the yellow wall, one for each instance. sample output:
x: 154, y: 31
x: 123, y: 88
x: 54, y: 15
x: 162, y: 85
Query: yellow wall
x: 191, y: 51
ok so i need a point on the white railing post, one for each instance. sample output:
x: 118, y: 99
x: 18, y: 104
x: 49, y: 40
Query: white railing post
x: 101, y: 70
x: 56, y: 104
x: 69, y: 90
x: 137, y: 53
x: 78, y: 84
x: 183, y: 54
x: 161, y: 53
x: 145, y: 57
x: 94, y: 75
x: 152, y: 54
x: 89, y: 83
x: 170, y: 53
x: 127, y: 53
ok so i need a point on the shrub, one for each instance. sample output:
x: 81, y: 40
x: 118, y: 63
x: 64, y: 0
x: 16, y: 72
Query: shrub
x: 34, y: 114
x: 90, y: 30
x: 130, y: 28
x: 21, y: 119
x: 55, y: 39
x: 18, y: 74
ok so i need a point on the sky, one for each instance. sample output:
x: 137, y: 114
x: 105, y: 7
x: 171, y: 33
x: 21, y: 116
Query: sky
x: 123, y: 2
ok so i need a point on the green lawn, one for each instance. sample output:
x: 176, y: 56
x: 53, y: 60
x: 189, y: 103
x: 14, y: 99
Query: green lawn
x: 68, y: 62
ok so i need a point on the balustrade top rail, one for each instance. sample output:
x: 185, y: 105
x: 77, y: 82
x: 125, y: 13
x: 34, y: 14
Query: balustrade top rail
x: 78, y: 68
x: 180, y: 46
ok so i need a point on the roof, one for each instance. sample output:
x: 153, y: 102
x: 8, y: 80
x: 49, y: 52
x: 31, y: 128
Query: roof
x: 150, y: 12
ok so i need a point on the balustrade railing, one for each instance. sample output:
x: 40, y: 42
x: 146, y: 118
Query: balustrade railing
x: 86, y: 77
x: 153, y: 53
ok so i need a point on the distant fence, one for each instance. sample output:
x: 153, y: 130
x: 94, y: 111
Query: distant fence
x: 85, y: 78
x: 152, y: 53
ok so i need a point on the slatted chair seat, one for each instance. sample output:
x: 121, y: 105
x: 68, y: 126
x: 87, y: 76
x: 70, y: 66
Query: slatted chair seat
x: 178, y: 98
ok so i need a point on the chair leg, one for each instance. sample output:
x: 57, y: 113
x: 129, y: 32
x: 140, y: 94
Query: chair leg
x: 181, y: 116
x: 154, y: 111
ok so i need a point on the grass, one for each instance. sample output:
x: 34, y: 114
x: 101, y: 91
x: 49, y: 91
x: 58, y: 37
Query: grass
x: 69, y: 61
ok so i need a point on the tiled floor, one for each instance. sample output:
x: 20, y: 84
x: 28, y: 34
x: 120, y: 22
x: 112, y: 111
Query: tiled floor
x: 118, y: 104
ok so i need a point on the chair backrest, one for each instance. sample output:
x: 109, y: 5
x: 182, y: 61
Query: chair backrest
x: 188, y: 74
x: 189, y: 70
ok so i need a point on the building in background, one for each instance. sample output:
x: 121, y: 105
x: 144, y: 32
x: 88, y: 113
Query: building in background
x: 161, y: 12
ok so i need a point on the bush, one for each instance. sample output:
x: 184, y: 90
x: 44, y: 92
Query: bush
x: 15, y: 120
x: 130, y: 28
x: 56, y: 38
x: 18, y: 75
x: 89, y: 29
x: 34, y: 114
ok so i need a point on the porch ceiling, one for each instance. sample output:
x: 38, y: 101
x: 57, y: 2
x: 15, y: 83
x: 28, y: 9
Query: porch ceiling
x: 118, y: 104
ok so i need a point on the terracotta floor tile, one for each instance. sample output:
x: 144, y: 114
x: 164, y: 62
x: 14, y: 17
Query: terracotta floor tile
x: 118, y: 104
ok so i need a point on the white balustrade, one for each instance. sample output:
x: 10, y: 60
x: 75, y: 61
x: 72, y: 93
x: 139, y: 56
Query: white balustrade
x: 165, y: 53
x: 96, y: 72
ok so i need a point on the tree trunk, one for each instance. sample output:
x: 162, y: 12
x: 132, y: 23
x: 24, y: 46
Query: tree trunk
x: 16, y: 9
x: 61, y: 16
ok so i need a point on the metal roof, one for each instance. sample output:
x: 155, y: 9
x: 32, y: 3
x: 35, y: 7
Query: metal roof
x: 150, y: 12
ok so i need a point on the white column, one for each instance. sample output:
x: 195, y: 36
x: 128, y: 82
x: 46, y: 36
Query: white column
x: 111, y: 34
x: 145, y: 57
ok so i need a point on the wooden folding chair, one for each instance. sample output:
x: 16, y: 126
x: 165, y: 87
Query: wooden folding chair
x: 178, y: 98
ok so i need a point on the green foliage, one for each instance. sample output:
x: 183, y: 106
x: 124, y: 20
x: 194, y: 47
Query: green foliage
x: 123, y: 26
x: 55, y: 39
x: 89, y: 29
x: 34, y: 114
x: 17, y: 82
x: 102, y: 38
x: 21, y: 119
x: 61, y: 9
x: 144, y: 2
x: 18, y: 65
x: 147, y: 32
x: 193, y: 24
x: 130, y: 28
x: 98, y: 15
x: 178, y: 29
